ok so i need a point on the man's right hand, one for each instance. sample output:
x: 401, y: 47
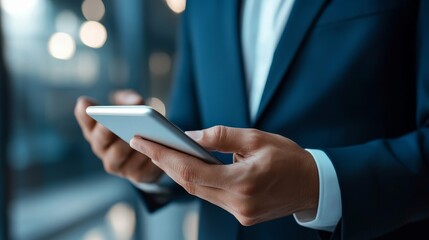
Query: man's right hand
x: 117, y: 156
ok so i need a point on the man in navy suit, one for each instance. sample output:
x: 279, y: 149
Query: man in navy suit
x: 321, y: 109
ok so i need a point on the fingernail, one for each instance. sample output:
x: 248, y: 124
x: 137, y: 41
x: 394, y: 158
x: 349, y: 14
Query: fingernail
x: 196, y: 135
x: 125, y: 98
x: 91, y: 100
x: 131, y: 99
x: 133, y: 143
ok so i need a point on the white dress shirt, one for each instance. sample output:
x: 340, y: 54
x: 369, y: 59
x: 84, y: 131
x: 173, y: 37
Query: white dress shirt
x: 263, y: 23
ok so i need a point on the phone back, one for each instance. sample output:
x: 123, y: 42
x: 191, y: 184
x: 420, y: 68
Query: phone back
x: 129, y: 121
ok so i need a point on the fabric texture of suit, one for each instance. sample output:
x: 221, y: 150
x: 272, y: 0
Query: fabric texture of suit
x: 4, y: 130
x: 349, y: 77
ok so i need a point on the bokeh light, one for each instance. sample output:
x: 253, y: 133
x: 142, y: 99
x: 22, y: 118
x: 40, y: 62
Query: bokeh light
x: 122, y: 219
x: 93, y: 10
x: 190, y: 226
x: 159, y: 63
x: 61, y: 46
x: 176, y: 6
x: 18, y: 7
x: 93, y: 34
x: 94, y: 234
x: 156, y: 104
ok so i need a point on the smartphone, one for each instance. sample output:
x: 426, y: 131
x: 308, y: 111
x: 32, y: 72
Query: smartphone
x: 129, y: 121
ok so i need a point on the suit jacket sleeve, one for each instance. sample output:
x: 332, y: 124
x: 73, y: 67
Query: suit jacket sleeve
x: 183, y: 111
x: 385, y: 183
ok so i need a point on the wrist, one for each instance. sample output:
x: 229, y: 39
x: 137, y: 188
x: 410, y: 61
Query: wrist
x: 310, y: 183
x: 328, y: 212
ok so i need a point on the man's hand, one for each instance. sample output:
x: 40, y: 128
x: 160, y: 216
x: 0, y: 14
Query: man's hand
x: 271, y: 176
x: 117, y: 156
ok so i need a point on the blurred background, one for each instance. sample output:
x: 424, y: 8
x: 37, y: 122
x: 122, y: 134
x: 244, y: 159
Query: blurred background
x: 52, y: 186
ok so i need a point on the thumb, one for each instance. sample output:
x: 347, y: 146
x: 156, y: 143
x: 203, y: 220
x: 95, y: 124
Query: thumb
x: 220, y: 138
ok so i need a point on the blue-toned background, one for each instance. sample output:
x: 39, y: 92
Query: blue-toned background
x: 55, y: 51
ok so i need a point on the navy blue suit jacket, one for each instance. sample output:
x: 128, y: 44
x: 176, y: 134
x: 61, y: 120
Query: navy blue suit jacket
x: 349, y: 77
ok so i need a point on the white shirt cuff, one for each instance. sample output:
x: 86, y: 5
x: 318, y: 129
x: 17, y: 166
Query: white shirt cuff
x: 329, y: 211
x: 154, y: 188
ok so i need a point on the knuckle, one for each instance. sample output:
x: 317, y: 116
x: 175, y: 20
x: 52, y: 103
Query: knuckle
x: 186, y: 174
x: 247, y: 210
x: 157, y: 155
x: 87, y: 135
x: 255, y: 138
x: 109, y: 168
x: 247, y: 189
x: 246, y: 221
x: 97, y: 150
x: 118, y: 153
x: 219, y: 131
x: 150, y: 152
x: 247, y: 186
x: 189, y: 187
x: 217, y: 134
x: 101, y: 133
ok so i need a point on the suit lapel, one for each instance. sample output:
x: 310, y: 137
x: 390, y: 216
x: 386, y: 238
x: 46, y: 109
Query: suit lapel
x: 234, y: 92
x: 302, y: 16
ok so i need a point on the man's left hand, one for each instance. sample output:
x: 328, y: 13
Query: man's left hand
x: 271, y: 176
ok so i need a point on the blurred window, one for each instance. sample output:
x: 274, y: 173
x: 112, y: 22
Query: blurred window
x: 57, y: 50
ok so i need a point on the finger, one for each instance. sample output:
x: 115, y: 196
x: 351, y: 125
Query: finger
x: 102, y: 137
x: 85, y: 121
x: 116, y: 156
x: 139, y: 168
x: 224, y: 139
x: 126, y: 97
x: 183, y: 166
x: 216, y: 196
